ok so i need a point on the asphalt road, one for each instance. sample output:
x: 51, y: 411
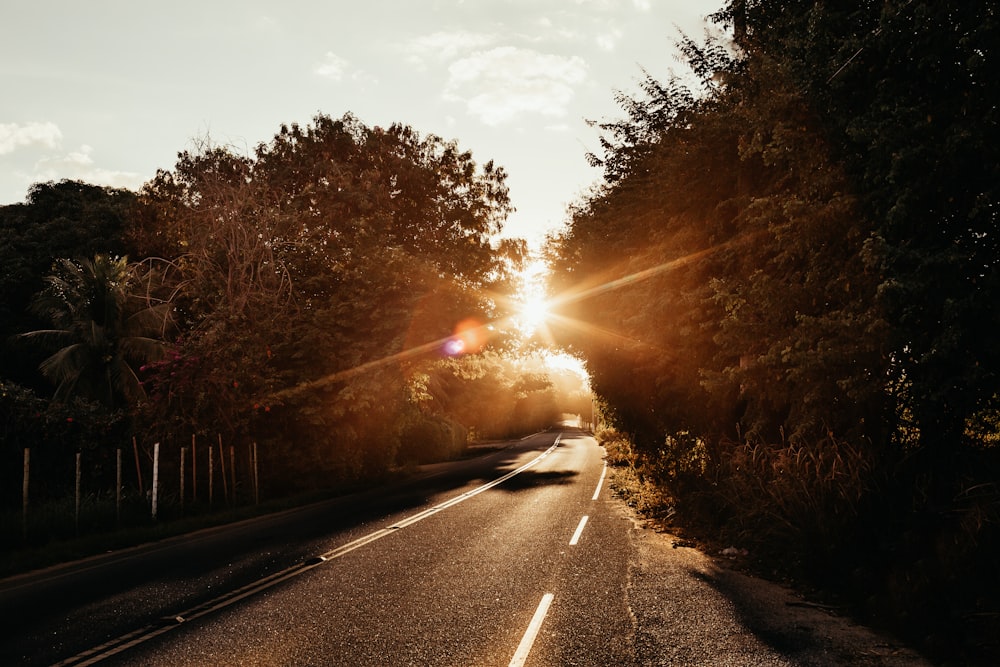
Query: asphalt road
x: 518, y: 557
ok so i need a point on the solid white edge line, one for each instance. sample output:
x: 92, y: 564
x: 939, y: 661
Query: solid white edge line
x: 579, y: 531
x: 524, y: 648
x: 604, y: 471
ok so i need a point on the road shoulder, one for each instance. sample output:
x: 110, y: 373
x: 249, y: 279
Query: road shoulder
x: 692, y: 608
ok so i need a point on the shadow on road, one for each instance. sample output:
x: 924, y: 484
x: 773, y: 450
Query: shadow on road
x: 530, y: 479
x: 806, y: 633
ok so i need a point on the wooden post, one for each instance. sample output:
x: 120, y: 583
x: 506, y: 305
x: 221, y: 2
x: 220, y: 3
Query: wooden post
x: 222, y: 469
x: 250, y: 469
x: 24, y: 493
x: 210, y: 475
x: 78, y: 456
x: 138, y: 468
x: 232, y: 470
x: 118, y: 486
x: 183, y: 456
x: 256, y: 478
x: 194, y: 470
x: 156, y: 476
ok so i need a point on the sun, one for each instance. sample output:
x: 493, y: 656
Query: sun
x: 532, y: 303
x: 534, y: 311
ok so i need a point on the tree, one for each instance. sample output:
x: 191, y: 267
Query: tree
x: 491, y: 394
x: 311, y: 272
x: 909, y: 104
x: 720, y: 286
x: 104, y: 331
x: 807, y: 250
x: 64, y: 219
x: 634, y: 265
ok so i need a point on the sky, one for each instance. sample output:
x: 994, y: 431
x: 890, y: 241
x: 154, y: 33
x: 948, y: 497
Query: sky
x: 108, y: 92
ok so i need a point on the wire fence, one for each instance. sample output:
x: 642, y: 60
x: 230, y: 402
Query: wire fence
x: 72, y: 494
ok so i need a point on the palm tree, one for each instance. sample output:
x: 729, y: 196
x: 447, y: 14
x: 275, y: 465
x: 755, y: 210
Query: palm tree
x: 103, y: 330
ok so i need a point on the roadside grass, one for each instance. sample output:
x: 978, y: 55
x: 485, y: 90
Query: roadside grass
x: 628, y: 481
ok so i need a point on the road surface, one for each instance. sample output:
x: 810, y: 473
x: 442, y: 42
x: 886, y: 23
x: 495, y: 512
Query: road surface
x: 518, y: 557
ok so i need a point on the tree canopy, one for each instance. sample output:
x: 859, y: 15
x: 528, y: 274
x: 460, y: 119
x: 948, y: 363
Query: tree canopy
x: 303, y: 290
x: 325, y: 261
x: 784, y: 289
x: 809, y: 236
x: 67, y: 219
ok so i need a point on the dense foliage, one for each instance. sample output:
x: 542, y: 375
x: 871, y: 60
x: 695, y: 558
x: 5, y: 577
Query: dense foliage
x: 797, y: 328
x: 104, y: 330
x: 318, y: 261
x: 58, y: 220
x: 291, y: 310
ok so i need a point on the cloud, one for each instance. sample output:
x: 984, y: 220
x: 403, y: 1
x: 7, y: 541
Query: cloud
x: 266, y: 24
x: 609, y: 40
x: 499, y: 84
x: 600, y: 5
x: 337, y: 69
x: 14, y: 136
x: 79, y: 165
x: 333, y: 67
x: 550, y: 30
x: 614, y: 5
x: 76, y: 165
x: 442, y: 46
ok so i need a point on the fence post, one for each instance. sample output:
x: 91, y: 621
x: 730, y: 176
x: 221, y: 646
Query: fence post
x: 222, y: 469
x: 118, y: 486
x: 183, y: 457
x: 210, y: 475
x: 138, y: 468
x: 194, y: 470
x: 232, y: 470
x: 256, y: 478
x: 78, y: 455
x: 156, y: 475
x: 24, y: 493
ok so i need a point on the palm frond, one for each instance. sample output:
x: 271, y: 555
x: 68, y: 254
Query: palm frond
x: 47, y: 339
x: 141, y: 349
x: 123, y: 378
x: 66, y: 365
x: 149, y: 320
x: 99, y: 329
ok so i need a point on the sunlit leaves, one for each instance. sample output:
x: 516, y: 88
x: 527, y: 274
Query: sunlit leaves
x: 733, y: 263
x: 314, y: 270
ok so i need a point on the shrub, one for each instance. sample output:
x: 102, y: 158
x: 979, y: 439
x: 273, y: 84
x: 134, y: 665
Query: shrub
x: 426, y: 439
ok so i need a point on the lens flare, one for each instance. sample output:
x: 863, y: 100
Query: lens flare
x: 469, y: 337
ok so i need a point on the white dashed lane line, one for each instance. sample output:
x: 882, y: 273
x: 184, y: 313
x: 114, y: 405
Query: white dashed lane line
x: 579, y: 531
x: 524, y: 648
